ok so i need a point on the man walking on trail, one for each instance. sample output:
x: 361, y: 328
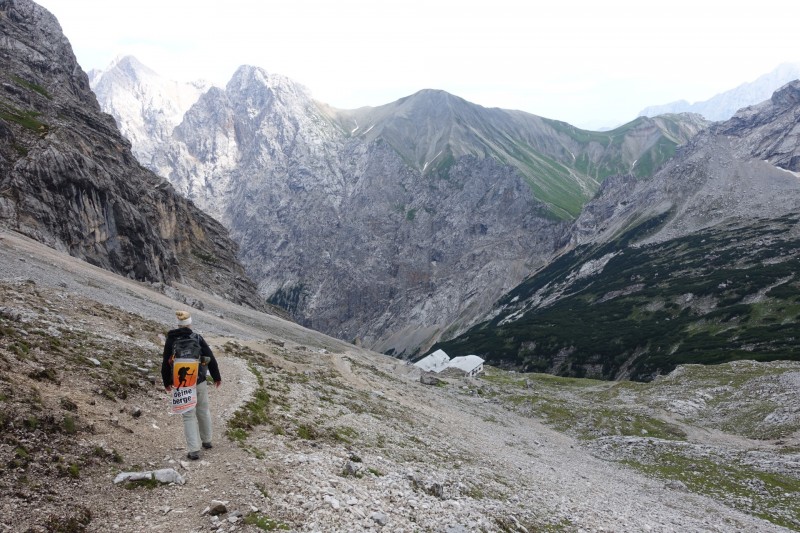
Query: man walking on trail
x: 196, y: 422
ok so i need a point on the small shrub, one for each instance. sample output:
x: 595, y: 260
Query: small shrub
x: 20, y: 349
x: 307, y: 432
x: 31, y: 422
x: 70, y: 428
x: 22, y: 453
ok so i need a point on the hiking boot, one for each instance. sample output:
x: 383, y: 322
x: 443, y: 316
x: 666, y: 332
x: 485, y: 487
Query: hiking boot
x: 194, y: 456
x: 207, y: 445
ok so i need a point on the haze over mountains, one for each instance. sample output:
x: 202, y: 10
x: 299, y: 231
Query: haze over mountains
x: 723, y: 106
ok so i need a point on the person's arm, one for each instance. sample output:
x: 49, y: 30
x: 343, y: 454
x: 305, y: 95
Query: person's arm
x: 213, y: 367
x: 166, y: 370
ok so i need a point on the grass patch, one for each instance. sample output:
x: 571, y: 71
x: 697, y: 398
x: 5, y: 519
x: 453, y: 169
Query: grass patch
x: 773, y: 497
x: 32, y: 86
x: 307, y: 432
x: 26, y: 119
x: 205, y: 257
x: 344, y: 434
x: 69, y: 425
x: 102, y: 453
x: 149, y: 484
x: 253, y: 413
x: 264, y: 522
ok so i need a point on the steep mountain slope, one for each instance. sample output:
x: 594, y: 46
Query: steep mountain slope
x: 698, y: 264
x: 723, y: 106
x: 563, y: 165
x: 397, y: 224
x: 347, y: 236
x: 68, y: 178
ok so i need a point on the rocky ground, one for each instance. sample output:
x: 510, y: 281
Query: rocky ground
x: 315, y: 435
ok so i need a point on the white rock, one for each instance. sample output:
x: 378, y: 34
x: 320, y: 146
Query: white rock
x: 333, y: 502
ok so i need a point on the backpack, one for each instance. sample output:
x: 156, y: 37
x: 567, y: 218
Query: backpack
x: 187, y: 347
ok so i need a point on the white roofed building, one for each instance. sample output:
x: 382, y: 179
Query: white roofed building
x: 439, y: 361
x: 471, y: 365
x: 435, y: 362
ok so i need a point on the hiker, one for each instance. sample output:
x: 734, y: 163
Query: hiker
x: 196, y: 422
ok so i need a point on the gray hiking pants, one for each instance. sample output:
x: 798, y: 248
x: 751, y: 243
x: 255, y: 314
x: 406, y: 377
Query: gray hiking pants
x: 197, y: 422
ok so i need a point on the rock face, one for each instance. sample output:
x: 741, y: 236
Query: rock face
x: 743, y: 168
x: 395, y: 225
x: 68, y: 178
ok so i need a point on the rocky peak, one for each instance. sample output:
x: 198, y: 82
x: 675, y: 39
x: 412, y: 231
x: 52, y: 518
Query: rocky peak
x: 770, y: 130
x: 248, y: 134
x: 433, y: 100
x: 146, y: 106
x: 787, y: 96
x: 249, y: 79
x: 734, y: 169
x: 131, y: 66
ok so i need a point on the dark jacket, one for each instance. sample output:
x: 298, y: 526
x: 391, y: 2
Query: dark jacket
x: 166, y: 367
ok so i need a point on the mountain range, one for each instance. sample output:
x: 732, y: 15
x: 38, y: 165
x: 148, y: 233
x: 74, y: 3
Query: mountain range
x: 394, y: 225
x: 421, y: 221
x: 696, y: 265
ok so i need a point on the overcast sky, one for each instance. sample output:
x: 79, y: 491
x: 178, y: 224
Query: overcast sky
x: 590, y: 63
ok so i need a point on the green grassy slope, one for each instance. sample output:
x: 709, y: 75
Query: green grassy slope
x: 563, y: 165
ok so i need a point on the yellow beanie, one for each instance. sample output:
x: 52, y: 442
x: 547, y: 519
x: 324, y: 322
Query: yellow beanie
x: 184, y: 318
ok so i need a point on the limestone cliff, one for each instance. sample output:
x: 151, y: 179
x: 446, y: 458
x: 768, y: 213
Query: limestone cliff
x: 68, y: 178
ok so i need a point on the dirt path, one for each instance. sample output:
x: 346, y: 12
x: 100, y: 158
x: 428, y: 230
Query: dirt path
x: 156, y: 441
